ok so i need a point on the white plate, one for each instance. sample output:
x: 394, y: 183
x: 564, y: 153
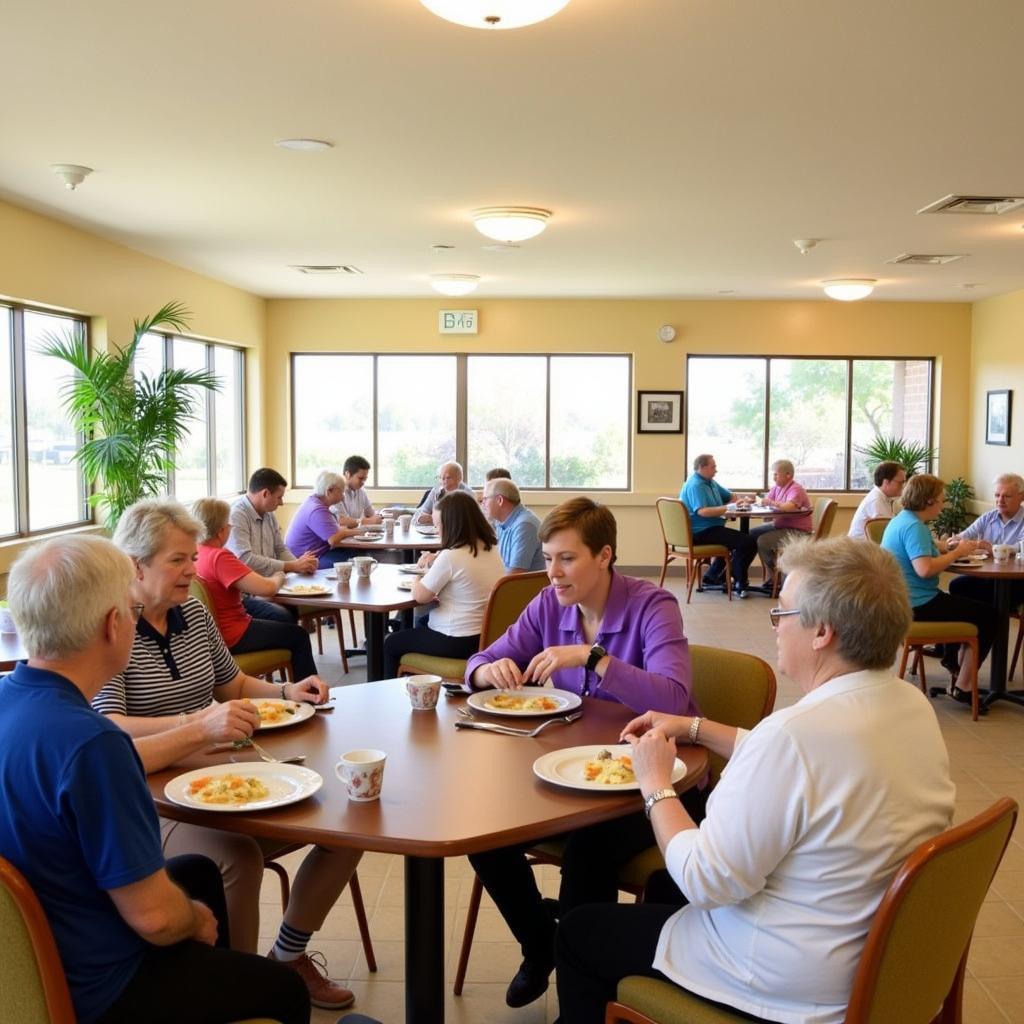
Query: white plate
x: 369, y: 537
x: 405, y: 584
x: 288, y: 784
x: 565, y: 768
x: 305, y: 590
x: 427, y: 531
x: 302, y: 711
x: 413, y: 570
x: 567, y: 701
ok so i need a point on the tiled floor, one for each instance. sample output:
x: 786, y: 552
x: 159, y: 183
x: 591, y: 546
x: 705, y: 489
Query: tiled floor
x: 987, y: 759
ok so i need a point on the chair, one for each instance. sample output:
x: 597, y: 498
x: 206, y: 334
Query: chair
x: 916, y: 950
x: 874, y: 528
x: 1019, y: 616
x: 677, y: 533
x: 822, y: 518
x: 925, y: 634
x: 730, y: 687
x: 509, y: 596
x: 317, y: 616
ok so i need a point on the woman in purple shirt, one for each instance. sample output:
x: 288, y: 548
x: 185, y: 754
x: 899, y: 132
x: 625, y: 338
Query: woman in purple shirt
x: 313, y: 528
x: 601, y: 635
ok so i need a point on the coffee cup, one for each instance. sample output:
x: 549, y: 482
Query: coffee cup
x: 362, y: 771
x: 389, y: 528
x: 364, y: 566
x: 1003, y: 552
x: 343, y: 570
x: 405, y: 521
x: 423, y: 691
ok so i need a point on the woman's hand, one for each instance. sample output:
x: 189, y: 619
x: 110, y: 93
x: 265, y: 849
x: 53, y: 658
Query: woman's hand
x: 966, y: 547
x: 544, y: 665
x: 230, y: 721
x: 502, y: 674
x: 654, y: 754
x: 672, y: 726
x: 312, y: 690
x: 426, y: 560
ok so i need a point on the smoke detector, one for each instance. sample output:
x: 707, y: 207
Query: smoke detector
x: 805, y: 245
x: 71, y: 174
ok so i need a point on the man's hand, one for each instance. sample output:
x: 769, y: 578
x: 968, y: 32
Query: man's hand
x: 502, y: 674
x: 205, y: 929
x: 305, y: 564
x: 672, y: 726
x: 349, y: 521
x: 312, y: 690
x: 544, y: 665
x: 966, y: 547
x: 229, y: 721
x: 654, y: 754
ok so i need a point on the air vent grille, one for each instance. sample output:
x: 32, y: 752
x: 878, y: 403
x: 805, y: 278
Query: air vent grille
x: 991, y: 206
x: 327, y: 269
x: 927, y: 259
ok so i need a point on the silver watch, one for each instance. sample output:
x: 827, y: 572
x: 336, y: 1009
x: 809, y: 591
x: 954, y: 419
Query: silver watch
x: 658, y: 794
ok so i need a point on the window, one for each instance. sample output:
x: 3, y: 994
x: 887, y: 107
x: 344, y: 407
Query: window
x: 553, y: 421
x: 748, y: 412
x: 41, y: 486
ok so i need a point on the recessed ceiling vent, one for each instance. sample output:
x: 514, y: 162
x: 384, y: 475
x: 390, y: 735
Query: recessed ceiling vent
x: 327, y: 269
x: 927, y: 259
x: 986, y: 205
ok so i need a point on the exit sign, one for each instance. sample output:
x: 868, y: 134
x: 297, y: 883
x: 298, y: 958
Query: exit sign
x: 456, y: 321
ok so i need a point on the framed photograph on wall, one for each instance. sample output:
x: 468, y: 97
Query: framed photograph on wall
x: 998, y: 407
x: 659, y: 412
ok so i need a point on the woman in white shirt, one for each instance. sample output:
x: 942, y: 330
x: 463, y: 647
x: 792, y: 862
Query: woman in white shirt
x: 459, y: 579
x: 818, y: 807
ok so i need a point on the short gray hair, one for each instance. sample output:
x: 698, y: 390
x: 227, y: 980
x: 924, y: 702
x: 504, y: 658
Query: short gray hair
x: 505, y: 488
x: 457, y: 466
x: 213, y: 514
x: 1011, y: 478
x: 855, y: 588
x: 60, y: 591
x: 325, y: 480
x: 144, y: 525
x: 783, y: 466
x: 701, y: 461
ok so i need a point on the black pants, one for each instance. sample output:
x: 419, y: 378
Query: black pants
x: 266, y: 634
x: 424, y: 640
x: 742, y: 546
x: 192, y: 983
x: 947, y: 608
x: 258, y: 608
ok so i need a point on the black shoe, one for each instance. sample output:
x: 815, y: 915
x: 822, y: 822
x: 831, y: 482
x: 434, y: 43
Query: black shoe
x: 713, y: 581
x: 740, y: 592
x: 932, y: 652
x: 530, y: 983
x: 551, y: 906
x: 762, y: 588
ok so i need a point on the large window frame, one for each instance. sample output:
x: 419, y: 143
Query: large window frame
x: 850, y: 361
x: 461, y: 413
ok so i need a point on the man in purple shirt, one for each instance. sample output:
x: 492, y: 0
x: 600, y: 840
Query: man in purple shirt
x: 314, y: 529
x: 598, y: 634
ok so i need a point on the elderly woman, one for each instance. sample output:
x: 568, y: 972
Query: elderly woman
x: 790, y: 499
x: 315, y: 529
x: 181, y: 692
x: 603, y: 635
x: 911, y: 542
x: 820, y: 804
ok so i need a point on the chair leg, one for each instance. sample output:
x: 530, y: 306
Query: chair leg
x: 728, y: 574
x: 692, y: 572
x: 902, y: 673
x: 472, y: 912
x: 319, y: 635
x: 973, y: 644
x: 1016, y: 650
x: 664, y: 568
x: 364, y: 928
x: 352, y: 626
x: 336, y: 617
x: 282, y: 878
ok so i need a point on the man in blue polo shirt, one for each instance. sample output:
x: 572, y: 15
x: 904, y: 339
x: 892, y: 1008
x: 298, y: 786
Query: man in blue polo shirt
x: 517, y: 526
x: 708, y: 502
x: 77, y: 820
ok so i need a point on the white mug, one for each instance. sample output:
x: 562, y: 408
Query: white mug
x: 343, y: 570
x: 389, y: 528
x: 1003, y: 552
x: 405, y: 522
x: 364, y: 566
x: 423, y: 691
x: 362, y: 771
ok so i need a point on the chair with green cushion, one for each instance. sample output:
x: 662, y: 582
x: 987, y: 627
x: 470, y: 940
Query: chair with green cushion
x: 927, y: 634
x: 874, y: 528
x: 916, y: 950
x: 677, y: 533
x: 509, y: 596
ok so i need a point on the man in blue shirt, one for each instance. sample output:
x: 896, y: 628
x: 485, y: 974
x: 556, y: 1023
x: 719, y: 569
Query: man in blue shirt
x: 77, y: 820
x: 708, y: 503
x: 517, y: 526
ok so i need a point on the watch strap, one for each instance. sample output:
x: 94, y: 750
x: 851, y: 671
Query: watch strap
x: 597, y: 652
x: 655, y: 797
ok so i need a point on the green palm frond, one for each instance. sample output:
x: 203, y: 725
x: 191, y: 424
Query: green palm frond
x: 913, y: 456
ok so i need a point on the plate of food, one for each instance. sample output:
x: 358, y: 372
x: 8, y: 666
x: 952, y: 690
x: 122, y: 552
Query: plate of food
x: 427, y: 531
x: 251, y: 786
x: 532, y: 700
x: 971, y: 561
x: 599, y: 769
x: 406, y: 584
x: 305, y: 590
x: 276, y: 713
x: 413, y: 570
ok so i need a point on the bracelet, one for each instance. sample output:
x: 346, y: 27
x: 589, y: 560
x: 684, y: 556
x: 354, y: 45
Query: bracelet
x: 182, y: 718
x: 695, y: 725
x: 283, y: 697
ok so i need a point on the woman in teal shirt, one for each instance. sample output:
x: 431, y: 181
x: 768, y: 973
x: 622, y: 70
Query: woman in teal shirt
x: 911, y: 542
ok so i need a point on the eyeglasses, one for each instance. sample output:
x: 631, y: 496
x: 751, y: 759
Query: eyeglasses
x: 136, y: 610
x: 487, y: 497
x: 777, y: 613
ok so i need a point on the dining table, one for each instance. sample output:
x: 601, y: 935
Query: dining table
x: 409, y: 543
x: 446, y: 792
x: 744, y: 515
x: 1002, y: 575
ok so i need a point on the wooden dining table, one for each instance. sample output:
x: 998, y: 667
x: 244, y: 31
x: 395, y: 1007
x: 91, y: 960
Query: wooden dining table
x: 407, y: 542
x: 744, y: 515
x: 446, y: 793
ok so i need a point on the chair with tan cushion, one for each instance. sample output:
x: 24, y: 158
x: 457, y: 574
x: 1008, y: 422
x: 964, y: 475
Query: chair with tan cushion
x: 874, y: 528
x: 926, y: 634
x: 822, y: 518
x: 677, y: 534
x: 913, y: 962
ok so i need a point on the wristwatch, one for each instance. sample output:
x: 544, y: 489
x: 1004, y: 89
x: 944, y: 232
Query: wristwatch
x: 658, y: 794
x: 597, y: 652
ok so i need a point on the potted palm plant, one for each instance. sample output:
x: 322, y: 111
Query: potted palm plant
x: 132, y: 424
x: 954, y: 517
x: 913, y: 456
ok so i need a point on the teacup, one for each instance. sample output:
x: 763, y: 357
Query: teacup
x: 389, y: 528
x: 405, y: 522
x: 343, y: 570
x: 423, y: 691
x: 362, y: 771
x: 1003, y: 552
x: 364, y: 566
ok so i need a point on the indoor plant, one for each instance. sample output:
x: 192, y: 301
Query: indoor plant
x: 954, y: 518
x: 913, y: 456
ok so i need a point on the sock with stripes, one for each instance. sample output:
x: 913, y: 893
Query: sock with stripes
x: 291, y: 943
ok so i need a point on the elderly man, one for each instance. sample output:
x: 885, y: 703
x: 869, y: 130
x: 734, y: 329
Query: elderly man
x: 255, y: 539
x: 450, y: 477
x: 355, y: 508
x: 708, y: 503
x: 77, y: 820
x: 882, y: 501
x: 314, y: 529
x: 517, y: 526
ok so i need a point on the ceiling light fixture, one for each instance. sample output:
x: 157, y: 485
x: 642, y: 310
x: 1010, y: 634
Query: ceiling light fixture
x: 494, y: 13
x: 849, y: 289
x: 454, y: 285
x: 71, y: 174
x: 304, y: 145
x: 511, y: 223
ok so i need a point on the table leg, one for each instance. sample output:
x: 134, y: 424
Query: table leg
x: 999, y: 658
x: 376, y: 630
x: 424, y: 940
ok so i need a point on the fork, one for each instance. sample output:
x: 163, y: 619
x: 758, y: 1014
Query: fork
x: 266, y: 756
x: 509, y: 730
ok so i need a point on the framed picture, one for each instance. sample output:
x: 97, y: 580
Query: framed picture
x: 998, y: 407
x: 659, y: 412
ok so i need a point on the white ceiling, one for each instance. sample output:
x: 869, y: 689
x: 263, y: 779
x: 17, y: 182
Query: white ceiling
x: 682, y: 144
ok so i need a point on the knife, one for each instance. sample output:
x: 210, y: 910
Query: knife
x: 505, y: 730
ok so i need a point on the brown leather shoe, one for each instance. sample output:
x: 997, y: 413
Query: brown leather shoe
x: 323, y: 992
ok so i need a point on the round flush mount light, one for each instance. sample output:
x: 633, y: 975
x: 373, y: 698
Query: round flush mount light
x: 511, y: 223
x: 304, y: 145
x: 71, y: 174
x: 494, y: 13
x: 849, y: 289
x: 454, y: 285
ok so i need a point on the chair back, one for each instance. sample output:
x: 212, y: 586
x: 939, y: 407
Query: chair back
x: 509, y: 596
x: 31, y: 974
x: 674, y: 518
x: 916, y: 951
x: 198, y: 590
x: 732, y: 688
x: 874, y: 528
x: 823, y: 517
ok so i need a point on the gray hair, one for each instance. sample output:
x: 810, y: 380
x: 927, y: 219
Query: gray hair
x: 701, y: 461
x: 505, y: 488
x: 60, y: 592
x: 213, y: 514
x: 783, y: 466
x: 855, y: 588
x: 325, y: 481
x: 1015, y: 479
x: 457, y: 466
x: 144, y: 525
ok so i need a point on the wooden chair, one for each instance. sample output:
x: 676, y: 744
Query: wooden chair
x: 509, y: 596
x: 1019, y: 616
x: 730, y: 687
x: 822, y: 518
x: 317, y: 617
x: 874, y: 528
x: 915, y: 954
x: 925, y: 634
x: 677, y: 533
